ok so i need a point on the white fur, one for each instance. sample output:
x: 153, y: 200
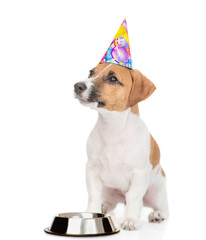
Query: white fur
x: 119, y: 169
x: 118, y: 158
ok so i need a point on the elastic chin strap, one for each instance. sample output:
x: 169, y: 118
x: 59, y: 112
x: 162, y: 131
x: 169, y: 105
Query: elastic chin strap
x: 102, y: 71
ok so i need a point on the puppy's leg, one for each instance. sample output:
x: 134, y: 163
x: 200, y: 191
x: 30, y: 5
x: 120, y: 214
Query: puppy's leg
x: 94, y: 188
x: 110, y: 198
x: 156, y: 198
x: 134, y: 200
x: 160, y: 206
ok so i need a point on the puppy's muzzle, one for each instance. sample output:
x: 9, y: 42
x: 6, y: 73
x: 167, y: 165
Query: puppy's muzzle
x: 79, y: 87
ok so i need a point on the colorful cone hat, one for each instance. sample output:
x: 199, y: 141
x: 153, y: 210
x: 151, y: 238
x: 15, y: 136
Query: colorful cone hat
x: 119, y: 49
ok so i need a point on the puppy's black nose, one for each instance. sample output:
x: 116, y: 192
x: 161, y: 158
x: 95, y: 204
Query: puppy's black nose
x: 80, y: 87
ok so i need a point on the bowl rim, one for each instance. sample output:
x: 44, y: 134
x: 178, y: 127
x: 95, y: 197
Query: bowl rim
x: 101, y: 215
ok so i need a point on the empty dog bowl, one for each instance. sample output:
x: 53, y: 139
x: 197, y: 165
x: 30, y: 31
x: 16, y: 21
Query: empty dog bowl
x: 82, y: 224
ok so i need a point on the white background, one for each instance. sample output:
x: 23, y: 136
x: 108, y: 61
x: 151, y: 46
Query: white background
x: 48, y: 45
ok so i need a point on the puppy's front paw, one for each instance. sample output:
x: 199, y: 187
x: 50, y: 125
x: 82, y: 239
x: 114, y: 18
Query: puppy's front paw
x: 130, y: 224
x: 156, y: 217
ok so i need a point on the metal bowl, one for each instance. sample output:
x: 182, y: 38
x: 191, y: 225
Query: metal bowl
x: 82, y: 224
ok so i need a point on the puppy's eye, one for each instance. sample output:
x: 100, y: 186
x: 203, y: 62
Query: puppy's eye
x: 91, y: 72
x: 113, y: 80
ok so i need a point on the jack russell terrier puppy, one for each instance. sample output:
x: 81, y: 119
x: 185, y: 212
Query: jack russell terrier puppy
x: 123, y: 158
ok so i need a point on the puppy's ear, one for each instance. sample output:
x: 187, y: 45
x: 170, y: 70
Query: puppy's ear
x: 141, y: 89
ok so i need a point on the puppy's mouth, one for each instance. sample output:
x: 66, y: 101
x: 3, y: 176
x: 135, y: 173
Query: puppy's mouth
x: 92, y: 99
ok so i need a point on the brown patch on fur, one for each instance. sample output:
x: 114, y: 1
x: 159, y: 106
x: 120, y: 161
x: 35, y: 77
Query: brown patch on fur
x: 135, y: 109
x: 141, y: 89
x: 163, y: 173
x: 114, y: 95
x: 134, y: 87
x: 154, y: 153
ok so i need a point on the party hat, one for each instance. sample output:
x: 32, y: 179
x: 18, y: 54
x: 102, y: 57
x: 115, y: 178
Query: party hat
x: 119, y: 49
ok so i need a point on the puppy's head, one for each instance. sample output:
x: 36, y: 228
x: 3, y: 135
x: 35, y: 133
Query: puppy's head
x: 113, y: 87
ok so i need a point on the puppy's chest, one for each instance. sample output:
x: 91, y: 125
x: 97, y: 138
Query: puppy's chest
x: 115, y: 170
x: 112, y: 153
x: 118, y: 150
